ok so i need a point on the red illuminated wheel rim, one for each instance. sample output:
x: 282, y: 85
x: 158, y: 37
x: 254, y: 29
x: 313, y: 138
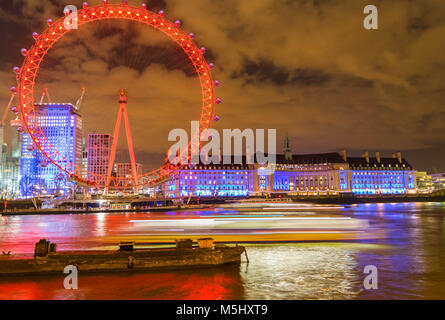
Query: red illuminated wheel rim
x: 55, y: 31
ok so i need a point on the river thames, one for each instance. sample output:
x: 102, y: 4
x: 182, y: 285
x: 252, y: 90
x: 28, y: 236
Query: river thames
x: 404, y: 241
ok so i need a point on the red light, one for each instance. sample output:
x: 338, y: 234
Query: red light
x: 172, y: 30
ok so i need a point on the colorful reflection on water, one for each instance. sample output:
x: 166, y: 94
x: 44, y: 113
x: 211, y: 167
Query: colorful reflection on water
x: 410, y: 258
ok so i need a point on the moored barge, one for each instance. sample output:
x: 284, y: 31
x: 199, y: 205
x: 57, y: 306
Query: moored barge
x: 47, y: 260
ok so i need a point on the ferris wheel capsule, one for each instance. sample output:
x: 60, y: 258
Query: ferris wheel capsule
x: 16, y: 70
x: 15, y: 110
x: 13, y: 90
x: 216, y: 118
x: 24, y: 52
x: 203, y: 50
x: 143, y: 5
x: 178, y: 23
x: 44, y: 164
x: 49, y: 22
x: 85, y: 4
x: 124, y: 2
x: 20, y: 129
x: 30, y: 148
x: 35, y: 35
x: 105, y: 2
x: 161, y: 13
x: 211, y: 66
x: 216, y: 83
x: 218, y: 100
x: 191, y: 35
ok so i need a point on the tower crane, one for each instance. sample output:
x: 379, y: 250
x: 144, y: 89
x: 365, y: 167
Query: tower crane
x: 5, y: 113
x: 79, y: 101
x: 45, y: 93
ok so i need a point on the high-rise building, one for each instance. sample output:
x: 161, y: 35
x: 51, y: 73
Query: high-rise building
x: 99, y: 149
x: 62, y: 126
x: 84, y: 160
x: 124, y: 173
x: 10, y: 162
x: 16, y: 139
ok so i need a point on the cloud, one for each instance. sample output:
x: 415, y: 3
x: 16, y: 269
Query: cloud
x: 307, y: 68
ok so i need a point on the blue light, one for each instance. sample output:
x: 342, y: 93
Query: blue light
x: 379, y: 182
x: 61, y: 125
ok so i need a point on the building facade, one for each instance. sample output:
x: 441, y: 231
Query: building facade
x: 334, y: 173
x: 10, y: 161
x: 376, y: 175
x: 307, y: 174
x: 424, y: 182
x: 302, y: 174
x: 214, y: 180
x: 124, y: 173
x: 438, y: 181
x: 98, y: 155
x: 62, y: 126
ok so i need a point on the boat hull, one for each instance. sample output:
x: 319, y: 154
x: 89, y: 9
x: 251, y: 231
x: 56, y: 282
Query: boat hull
x: 101, y: 261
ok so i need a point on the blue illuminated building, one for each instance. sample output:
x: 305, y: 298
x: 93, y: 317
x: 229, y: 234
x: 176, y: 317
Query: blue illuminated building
x: 214, y: 180
x: 301, y: 174
x: 335, y: 173
x: 62, y: 126
x: 381, y: 175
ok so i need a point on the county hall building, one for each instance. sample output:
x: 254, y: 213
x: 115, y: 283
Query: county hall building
x: 299, y: 174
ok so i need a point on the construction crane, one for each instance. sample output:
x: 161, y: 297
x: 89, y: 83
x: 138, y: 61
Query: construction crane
x: 5, y: 113
x: 45, y: 93
x: 79, y: 101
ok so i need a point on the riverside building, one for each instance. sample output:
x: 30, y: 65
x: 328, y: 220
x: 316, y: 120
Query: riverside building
x: 62, y: 126
x: 98, y: 156
x: 303, y: 174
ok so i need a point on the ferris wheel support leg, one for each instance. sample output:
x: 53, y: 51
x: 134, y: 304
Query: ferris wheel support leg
x: 113, y: 148
x: 130, y: 146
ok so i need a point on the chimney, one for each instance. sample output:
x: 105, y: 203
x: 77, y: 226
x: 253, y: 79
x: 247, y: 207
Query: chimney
x: 343, y: 154
x: 366, y: 156
x: 377, y: 156
x: 399, y: 156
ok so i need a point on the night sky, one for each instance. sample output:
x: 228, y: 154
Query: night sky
x: 306, y: 68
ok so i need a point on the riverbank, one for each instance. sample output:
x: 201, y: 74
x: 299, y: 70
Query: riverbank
x: 348, y: 199
x: 49, y: 211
